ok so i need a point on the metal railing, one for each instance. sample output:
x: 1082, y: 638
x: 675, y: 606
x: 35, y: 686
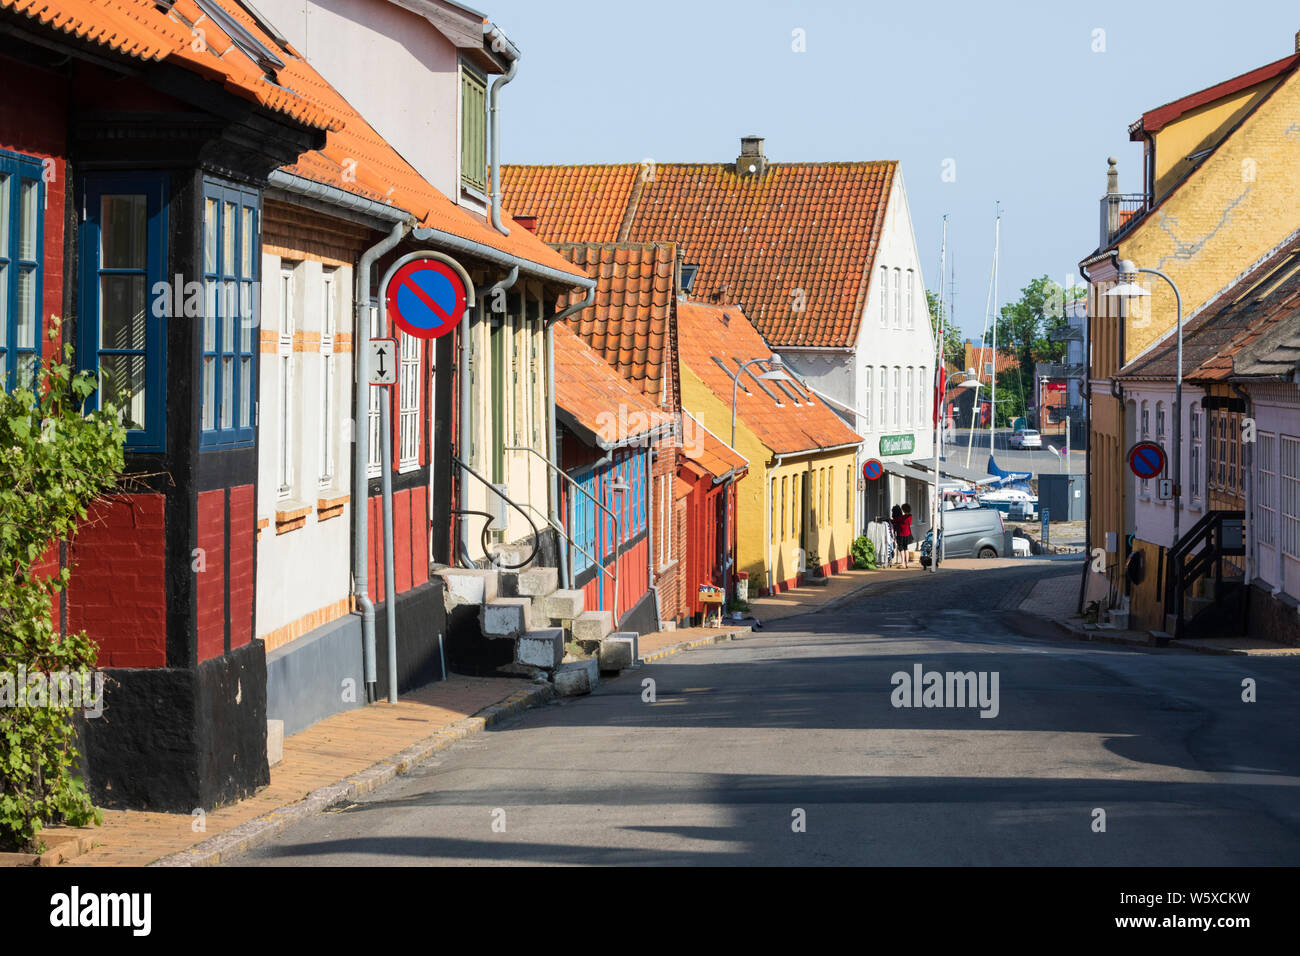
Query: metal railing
x: 487, y: 526
x: 1119, y: 211
x: 587, y: 554
x: 596, y: 501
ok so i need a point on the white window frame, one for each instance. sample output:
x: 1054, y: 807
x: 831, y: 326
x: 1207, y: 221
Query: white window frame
x: 1144, y: 484
x: 1288, y: 469
x: 409, y: 401
x: 884, y: 297
x: 907, y: 397
x: 883, y: 394
x: 285, y: 376
x: 1196, y: 452
x: 907, y: 300
x: 328, y: 330
x: 1266, y: 492
x: 893, y: 417
x: 866, y: 405
x: 898, y: 292
x: 374, y: 461
x: 1161, y: 419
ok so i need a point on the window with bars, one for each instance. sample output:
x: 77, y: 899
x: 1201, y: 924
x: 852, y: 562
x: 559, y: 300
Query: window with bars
x: 286, y: 325
x: 22, y: 201
x: 409, y: 397
x: 1266, y: 509
x: 1289, y: 493
x: 230, y: 319
x: 329, y: 329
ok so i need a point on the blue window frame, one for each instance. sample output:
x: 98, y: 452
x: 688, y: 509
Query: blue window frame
x: 231, y: 261
x: 22, y: 244
x: 123, y: 316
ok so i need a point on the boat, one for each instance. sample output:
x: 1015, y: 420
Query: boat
x: 1015, y: 503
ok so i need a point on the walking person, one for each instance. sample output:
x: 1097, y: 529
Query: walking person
x: 902, y: 521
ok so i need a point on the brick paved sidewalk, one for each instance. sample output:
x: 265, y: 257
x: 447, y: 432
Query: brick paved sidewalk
x: 326, y: 753
x: 354, y: 751
x: 1057, y: 598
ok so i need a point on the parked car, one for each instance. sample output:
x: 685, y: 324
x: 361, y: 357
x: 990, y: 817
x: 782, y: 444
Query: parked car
x: 968, y: 533
x: 1026, y: 438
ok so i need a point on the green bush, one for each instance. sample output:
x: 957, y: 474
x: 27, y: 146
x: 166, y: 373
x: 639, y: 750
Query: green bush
x: 54, y: 462
x: 864, y: 553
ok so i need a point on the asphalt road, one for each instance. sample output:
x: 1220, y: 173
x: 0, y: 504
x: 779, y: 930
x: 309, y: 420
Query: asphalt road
x: 746, y: 738
x: 1038, y: 461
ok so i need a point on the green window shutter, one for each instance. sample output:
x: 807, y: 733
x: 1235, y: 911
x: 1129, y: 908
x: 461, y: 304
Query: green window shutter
x: 473, y: 131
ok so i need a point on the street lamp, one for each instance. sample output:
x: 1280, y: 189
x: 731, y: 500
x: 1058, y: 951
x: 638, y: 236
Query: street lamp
x: 776, y: 373
x: 1129, y: 289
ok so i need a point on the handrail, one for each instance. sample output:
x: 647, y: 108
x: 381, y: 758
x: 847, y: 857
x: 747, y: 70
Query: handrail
x: 1186, y: 565
x: 537, y: 537
x: 591, y: 557
x: 617, y: 535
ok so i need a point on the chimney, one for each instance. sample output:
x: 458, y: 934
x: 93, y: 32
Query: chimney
x: 1297, y: 41
x: 751, y: 161
x: 528, y: 222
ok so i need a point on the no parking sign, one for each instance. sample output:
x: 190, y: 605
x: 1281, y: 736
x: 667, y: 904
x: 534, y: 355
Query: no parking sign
x: 426, y: 298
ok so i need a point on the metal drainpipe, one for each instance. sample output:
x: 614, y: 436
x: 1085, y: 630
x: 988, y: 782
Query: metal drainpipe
x: 499, y: 82
x: 361, y: 448
x: 1087, y: 476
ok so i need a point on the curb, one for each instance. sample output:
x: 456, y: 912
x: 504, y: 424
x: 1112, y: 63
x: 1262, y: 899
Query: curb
x: 1099, y: 636
x: 726, y: 635
x: 261, y: 829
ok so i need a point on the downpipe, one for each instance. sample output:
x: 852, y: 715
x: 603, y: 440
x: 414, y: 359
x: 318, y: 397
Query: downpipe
x: 361, y: 449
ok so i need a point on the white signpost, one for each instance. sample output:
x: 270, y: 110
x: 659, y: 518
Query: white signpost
x: 383, y: 362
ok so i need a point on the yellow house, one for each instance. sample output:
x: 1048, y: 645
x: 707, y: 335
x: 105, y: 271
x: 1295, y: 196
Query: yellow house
x: 1221, y: 190
x: 795, y: 506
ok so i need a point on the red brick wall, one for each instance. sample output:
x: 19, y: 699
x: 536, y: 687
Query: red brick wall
x: 211, y: 581
x: 243, y: 538
x: 117, y: 592
x: 33, y: 120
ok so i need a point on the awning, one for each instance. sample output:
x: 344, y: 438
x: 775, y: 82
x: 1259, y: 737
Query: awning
x: 908, y: 471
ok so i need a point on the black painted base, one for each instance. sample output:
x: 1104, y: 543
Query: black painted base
x: 177, y: 740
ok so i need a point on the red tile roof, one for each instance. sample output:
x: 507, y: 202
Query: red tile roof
x: 707, y: 332
x: 1155, y: 120
x: 632, y: 324
x: 794, y: 246
x: 603, y: 405
x: 708, y: 451
x: 355, y: 157
x: 977, y: 356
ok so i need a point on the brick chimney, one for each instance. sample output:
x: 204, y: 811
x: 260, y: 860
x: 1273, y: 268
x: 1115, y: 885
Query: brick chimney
x: 751, y: 161
x: 528, y: 222
x: 1297, y: 41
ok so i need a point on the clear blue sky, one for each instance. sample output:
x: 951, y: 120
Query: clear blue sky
x: 1013, y: 92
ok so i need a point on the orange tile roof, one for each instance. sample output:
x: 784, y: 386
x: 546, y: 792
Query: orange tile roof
x: 355, y: 157
x: 632, y: 323
x: 710, y: 452
x: 977, y: 356
x: 813, y: 227
x: 593, y: 396
x: 707, y: 332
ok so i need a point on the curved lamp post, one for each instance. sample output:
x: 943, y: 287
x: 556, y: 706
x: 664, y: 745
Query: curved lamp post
x: 1129, y: 289
x: 777, y: 373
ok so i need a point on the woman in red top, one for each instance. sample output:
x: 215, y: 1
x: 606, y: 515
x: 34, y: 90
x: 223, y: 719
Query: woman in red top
x: 902, y: 521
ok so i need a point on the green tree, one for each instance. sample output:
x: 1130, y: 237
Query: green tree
x: 54, y: 462
x: 1025, y: 330
x: 954, y: 349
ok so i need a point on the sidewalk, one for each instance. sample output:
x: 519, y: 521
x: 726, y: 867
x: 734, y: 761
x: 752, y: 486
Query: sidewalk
x: 1056, y: 600
x: 336, y: 760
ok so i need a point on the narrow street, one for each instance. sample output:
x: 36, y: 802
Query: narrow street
x: 798, y: 717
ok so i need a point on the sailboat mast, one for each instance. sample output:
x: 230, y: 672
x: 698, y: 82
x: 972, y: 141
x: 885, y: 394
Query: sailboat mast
x: 938, y: 406
x: 993, y: 375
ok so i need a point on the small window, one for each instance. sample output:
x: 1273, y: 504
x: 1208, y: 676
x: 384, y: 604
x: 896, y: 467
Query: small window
x: 906, y: 399
x: 898, y: 292
x: 907, y: 299
x: 409, y: 413
x: 328, y: 331
x: 286, y: 325
x: 473, y: 129
x: 884, y: 297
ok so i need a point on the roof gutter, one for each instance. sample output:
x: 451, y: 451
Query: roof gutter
x: 482, y: 251
x: 333, y: 196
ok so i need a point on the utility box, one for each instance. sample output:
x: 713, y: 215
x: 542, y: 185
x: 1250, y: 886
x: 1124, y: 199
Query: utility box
x: 1065, y: 496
